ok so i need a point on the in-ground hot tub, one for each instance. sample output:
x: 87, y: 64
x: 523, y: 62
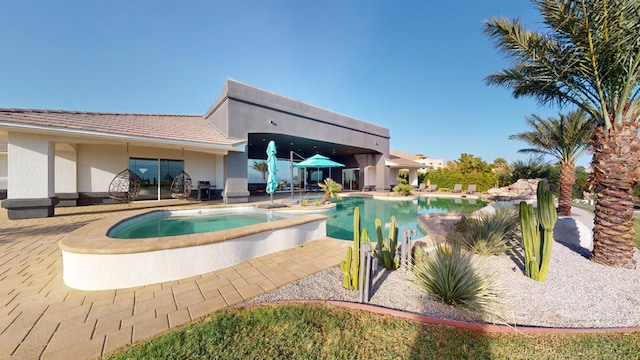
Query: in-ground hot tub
x: 94, y: 261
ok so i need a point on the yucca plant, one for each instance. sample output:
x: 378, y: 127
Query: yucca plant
x: 456, y: 278
x: 487, y: 233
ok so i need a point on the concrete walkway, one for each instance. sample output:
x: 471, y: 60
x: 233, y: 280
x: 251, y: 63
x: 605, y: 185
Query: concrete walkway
x: 41, y: 318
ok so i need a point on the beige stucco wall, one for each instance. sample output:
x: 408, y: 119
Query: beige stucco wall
x: 3, y: 171
x: 99, y: 164
x: 32, y: 163
x: 65, y: 170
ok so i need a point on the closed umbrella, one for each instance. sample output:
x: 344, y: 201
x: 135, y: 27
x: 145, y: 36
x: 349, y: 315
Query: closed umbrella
x: 272, y: 180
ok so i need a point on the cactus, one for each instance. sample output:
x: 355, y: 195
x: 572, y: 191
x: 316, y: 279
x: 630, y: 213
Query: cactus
x: 537, y: 233
x: 351, y: 265
x: 386, y: 248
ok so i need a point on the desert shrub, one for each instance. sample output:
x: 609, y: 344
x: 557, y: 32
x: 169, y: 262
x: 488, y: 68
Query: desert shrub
x: 403, y: 187
x: 456, y: 278
x: 487, y: 233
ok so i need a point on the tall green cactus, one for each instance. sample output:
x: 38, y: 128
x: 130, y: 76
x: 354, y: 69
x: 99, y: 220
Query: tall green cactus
x: 537, y: 233
x: 351, y: 265
x: 386, y: 248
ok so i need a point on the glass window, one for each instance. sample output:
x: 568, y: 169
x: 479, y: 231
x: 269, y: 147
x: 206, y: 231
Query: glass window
x: 156, y: 176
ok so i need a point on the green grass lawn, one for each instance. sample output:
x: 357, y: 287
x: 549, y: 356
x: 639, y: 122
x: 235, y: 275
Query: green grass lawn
x: 317, y: 331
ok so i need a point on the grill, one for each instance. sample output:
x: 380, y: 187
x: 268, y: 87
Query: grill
x: 204, y: 190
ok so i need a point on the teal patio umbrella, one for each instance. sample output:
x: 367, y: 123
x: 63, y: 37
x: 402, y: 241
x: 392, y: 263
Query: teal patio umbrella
x: 318, y: 161
x: 272, y: 180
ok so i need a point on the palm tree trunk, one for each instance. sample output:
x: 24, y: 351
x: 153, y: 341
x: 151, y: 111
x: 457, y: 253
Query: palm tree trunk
x: 567, y: 179
x: 614, y: 166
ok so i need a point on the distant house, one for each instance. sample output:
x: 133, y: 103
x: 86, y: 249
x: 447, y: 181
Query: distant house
x: 54, y: 158
x: 426, y: 161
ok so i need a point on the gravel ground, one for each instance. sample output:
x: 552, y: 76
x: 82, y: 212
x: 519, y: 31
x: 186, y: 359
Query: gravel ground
x: 576, y: 294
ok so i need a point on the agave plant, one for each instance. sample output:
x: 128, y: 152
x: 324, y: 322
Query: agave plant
x: 457, y: 278
x: 488, y: 233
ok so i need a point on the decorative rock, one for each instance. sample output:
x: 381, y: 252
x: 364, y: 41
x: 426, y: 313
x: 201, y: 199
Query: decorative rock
x: 522, y: 189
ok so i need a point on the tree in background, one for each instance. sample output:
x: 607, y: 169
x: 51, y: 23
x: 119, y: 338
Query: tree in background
x: 262, y: 167
x: 501, y: 168
x: 587, y: 55
x: 469, y: 164
x: 566, y: 139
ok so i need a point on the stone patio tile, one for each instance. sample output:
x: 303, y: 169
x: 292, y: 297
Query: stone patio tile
x: 250, y: 291
x: 139, y: 318
x: 154, y: 304
x: 231, y: 295
x: 185, y: 298
x: 117, y: 339
x: 72, y: 337
x: 149, y: 328
x: 206, y: 307
x: 90, y: 349
x: 179, y: 317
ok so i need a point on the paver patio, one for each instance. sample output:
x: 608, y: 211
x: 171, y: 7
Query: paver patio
x: 41, y: 318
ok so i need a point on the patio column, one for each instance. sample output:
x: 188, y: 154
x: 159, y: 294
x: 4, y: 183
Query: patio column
x: 31, y: 184
x: 66, y: 184
x: 236, y: 185
x: 383, y: 174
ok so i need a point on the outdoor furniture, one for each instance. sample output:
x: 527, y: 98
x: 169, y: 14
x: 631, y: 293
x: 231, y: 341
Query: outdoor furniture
x: 471, y: 189
x: 421, y: 187
x: 457, y: 188
x: 433, y: 188
x: 181, y: 186
x: 125, y: 186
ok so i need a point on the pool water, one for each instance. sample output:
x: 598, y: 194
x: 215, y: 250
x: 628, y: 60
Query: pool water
x: 340, y: 221
x: 163, y: 224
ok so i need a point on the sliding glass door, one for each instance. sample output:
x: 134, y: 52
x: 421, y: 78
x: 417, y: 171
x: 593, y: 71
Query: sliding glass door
x: 350, y: 179
x: 157, y: 176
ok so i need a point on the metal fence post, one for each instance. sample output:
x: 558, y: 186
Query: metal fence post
x: 365, y: 272
x: 405, y: 247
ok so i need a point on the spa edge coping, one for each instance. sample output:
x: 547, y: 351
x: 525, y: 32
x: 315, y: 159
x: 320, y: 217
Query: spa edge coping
x: 92, y: 238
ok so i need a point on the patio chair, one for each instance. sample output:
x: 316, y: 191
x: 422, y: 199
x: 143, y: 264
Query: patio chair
x: 457, y: 188
x: 421, y: 187
x: 471, y: 189
x: 125, y: 186
x: 433, y: 188
x: 181, y: 186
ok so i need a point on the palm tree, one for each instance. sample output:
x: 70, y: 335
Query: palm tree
x: 566, y: 139
x: 588, y: 55
x: 262, y: 167
x: 331, y: 190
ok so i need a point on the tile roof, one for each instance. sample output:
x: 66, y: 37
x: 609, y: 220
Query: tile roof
x: 190, y: 128
x: 395, y: 161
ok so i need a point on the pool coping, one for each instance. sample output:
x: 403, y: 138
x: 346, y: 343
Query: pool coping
x: 93, y: 239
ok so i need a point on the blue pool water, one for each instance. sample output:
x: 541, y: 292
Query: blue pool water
x: 162, y: 224
x: 340, y: 221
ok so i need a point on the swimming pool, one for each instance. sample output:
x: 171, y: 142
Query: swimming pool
x: 340, y: 221
x: 168, y: 223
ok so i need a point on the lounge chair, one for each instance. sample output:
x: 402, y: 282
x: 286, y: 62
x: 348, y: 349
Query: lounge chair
x: 421, y: 187
x: 433, y: 188
x: 471, y: 189
x: 457, y: 188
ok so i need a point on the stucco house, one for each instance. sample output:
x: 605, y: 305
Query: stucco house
x: 67, y: 158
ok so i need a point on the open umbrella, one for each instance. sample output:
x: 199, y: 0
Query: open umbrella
x: 318, y: 161
x: 272, y: 180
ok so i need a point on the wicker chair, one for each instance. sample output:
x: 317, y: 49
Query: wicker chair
x: 181, y: 186
x: 125, y: 186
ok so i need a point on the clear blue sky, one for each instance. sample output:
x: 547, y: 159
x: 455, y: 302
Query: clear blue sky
x: 416, y: 67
